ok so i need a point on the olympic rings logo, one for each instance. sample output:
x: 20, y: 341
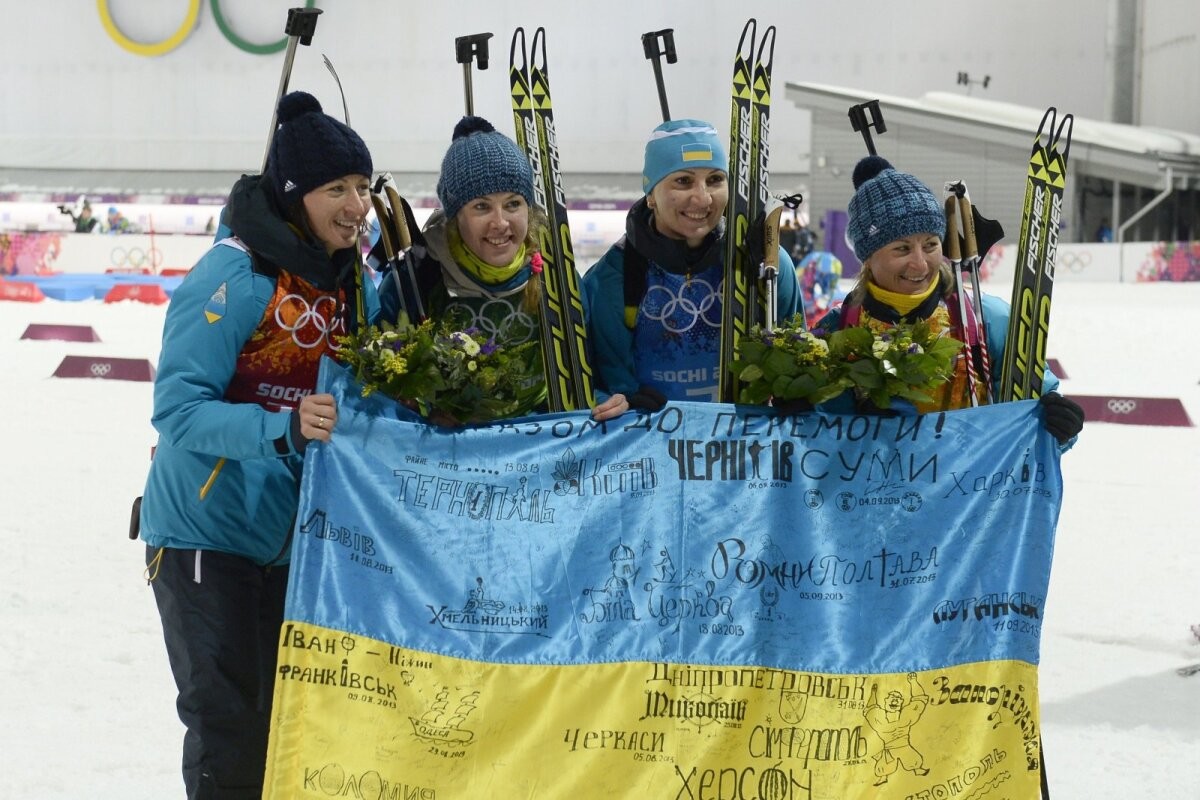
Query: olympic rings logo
x: 498, y: 319
x: 151, y: 49
x: 1122, y: 406
x: 1075, y: 262
x: 308, y: 325
x: 135, y: 257
x: 696, y: 299
x: 100, y: 369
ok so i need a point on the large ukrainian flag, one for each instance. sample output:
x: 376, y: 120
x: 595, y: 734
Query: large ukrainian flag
x: 706, y: 602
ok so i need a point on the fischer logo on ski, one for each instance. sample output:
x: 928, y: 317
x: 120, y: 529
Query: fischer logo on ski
x: 1024, y: 362
x: 748, y: 127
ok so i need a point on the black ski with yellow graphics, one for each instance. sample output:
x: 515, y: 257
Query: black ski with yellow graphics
x: 738, y: 296
x: 760, y: 122
x: 563, y: 330
x: 1024, y: 362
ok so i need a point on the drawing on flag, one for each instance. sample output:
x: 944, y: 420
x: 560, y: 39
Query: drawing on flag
x: 706, y: 602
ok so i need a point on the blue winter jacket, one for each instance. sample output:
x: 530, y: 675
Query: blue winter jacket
x: 225, y: 476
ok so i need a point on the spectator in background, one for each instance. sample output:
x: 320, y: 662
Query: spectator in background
x: 84, y: 221
x: 787, y: 236
x: 118, y: 222
x: 1104, y: 233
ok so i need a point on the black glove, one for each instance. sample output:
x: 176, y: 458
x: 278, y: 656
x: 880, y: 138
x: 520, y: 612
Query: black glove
x: 647, y: 398
x: 1062, y: 416
x: 790, y: 408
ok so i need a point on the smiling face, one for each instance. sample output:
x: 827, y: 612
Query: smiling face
x: 336, y: 210
x: 688, y: 203
x: 493, y: 226
x: 907, y: 266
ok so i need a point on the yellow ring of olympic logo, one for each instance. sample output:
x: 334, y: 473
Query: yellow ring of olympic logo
x: 154, y: 48
x: 151, y: 49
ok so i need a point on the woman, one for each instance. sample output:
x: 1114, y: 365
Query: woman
x: 654, y: 299
x: 480, y: 266
x: 896, y: 226
x: 234, y: 408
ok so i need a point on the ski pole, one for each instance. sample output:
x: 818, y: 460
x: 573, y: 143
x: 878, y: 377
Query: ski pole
x: 865, y: 116
x: 473, y: 47
x: 650, y: 47
x: 333, y: 72
x: 768, y: 271
x: 301, y: 24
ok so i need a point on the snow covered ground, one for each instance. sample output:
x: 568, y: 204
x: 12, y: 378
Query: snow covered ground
x: 86, y: 693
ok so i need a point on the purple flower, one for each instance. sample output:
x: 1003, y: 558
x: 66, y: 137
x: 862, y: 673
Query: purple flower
x: 488, y: 347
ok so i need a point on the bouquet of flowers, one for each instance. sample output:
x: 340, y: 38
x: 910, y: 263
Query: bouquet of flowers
x: 906, y: 361
x: 787, y: 363
x: 454, y: 376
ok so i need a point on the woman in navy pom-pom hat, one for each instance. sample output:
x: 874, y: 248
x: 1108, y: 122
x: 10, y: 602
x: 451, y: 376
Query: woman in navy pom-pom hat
x: 234, y: 408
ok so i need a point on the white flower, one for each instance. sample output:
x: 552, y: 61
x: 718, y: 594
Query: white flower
x: 469, y: 345
x: 879, y: 347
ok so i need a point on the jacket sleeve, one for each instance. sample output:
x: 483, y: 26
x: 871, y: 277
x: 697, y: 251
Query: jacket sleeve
x: 212, y: 314
x: 612, y: 342
x: 787, y: 301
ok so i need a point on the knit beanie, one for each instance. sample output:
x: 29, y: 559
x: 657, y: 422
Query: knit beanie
x: 311, y: 148
x: 481, y: 161
x: 681, y: 144
x: 889, y: 205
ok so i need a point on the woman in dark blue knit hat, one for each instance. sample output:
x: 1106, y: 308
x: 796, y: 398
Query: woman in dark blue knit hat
x: 234, y: 408
x: 654, y: 299
x: 480, y: 265
x: 896, y: 227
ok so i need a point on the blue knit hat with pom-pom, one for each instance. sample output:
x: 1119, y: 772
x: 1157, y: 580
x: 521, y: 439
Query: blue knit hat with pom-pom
x: 481, y: 161
x: 889, y: 205
x: 311, y: 148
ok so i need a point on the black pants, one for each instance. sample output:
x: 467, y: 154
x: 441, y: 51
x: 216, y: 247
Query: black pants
x: 221, y: 616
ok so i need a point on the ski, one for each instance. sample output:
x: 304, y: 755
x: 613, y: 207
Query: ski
x: 564, y: 333
x: 1024, y: 360
x: 737, y: 293
x: 760, y: 122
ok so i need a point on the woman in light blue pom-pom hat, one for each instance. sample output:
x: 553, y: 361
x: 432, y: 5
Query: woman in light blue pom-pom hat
x: 654, y: 299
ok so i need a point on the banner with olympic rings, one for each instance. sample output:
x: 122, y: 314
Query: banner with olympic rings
x: 708, y: 601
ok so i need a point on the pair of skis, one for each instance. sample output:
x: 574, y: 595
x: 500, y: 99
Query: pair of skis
x: 1024, y: 361
x: 563, y: 330
x: 742, y: 303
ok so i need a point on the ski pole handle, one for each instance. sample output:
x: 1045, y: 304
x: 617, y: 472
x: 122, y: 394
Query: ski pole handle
x: 651, y: 49
x: 970, y: 243
x: 300, y: 27
x: 770, y: 266
x: 473, y: 47
x: 953, y: 251
x: 865, y: 116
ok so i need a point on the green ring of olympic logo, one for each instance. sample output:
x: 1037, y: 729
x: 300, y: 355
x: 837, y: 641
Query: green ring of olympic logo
x: 151, y: 49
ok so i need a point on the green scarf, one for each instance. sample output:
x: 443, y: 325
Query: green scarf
x: 476, y: 266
